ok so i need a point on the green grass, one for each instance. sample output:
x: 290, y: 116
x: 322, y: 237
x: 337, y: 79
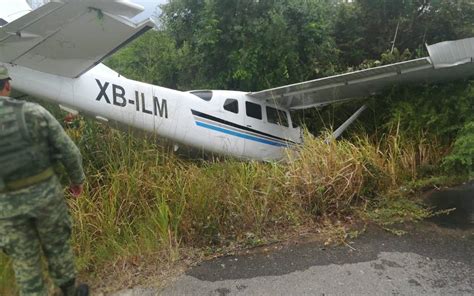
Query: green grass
x: 141, y: 201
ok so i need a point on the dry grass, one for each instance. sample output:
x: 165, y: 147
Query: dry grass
x: 325, y: 177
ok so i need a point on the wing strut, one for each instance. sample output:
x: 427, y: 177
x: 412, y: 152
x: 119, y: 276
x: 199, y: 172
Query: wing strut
x: 348, y: 122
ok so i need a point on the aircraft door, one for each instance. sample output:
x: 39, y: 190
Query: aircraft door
x: 231, y: 136
x: 268, y: 128
x: 255, y: 144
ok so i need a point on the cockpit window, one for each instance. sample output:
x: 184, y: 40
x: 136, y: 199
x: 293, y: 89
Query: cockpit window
x: 3, y: 22
x: 206, y: 95
x: 277, y: 116
x: 231, y: 105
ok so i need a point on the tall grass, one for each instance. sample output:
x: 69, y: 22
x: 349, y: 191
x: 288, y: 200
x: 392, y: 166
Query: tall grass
x: 326, y: 176
x: 141, y: 200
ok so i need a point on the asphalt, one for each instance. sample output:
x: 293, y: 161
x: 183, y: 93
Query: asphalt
x: 435, y: 257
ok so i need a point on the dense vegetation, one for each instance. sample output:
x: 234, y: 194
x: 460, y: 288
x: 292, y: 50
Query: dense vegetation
x: 145, y: 206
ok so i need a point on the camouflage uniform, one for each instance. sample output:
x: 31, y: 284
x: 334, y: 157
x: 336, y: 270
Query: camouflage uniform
x: 36, y: 217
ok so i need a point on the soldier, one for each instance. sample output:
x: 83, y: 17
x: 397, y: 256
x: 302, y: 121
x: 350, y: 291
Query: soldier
x: 33, y: 213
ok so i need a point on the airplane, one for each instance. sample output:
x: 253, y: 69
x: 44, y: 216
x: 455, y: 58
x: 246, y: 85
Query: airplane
x: 55, y: 52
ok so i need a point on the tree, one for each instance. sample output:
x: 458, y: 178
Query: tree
x: 250, y: 45
x: 365, y: 29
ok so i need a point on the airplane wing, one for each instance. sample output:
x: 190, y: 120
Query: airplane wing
x: 447, y: 61
x: 69, y: 37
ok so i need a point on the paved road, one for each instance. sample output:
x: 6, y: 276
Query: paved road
x: 429, y: 261
x: 434, y: 258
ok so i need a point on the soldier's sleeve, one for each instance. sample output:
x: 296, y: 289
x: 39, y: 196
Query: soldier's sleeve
x: 70, y: 156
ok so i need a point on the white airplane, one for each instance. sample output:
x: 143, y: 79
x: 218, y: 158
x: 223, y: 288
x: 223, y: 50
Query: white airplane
x: 55, y: 53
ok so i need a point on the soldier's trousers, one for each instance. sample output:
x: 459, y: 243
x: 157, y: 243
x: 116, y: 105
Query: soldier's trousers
x: 46, y: 228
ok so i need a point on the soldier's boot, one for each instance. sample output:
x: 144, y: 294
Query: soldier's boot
x: 82, y: 290
x: 70, y: 289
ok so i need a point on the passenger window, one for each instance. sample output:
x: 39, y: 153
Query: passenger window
x: 297, y: 117
x: 253, y: 110
x: 206, y: 95
x: 277, y: 116
x: 231, y: 105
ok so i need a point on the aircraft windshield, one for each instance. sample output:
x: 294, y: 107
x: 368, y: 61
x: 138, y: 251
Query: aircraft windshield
x: 206, y: 95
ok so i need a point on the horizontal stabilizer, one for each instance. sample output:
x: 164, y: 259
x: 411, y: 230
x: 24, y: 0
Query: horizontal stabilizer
x: 447, y: 61
x: 452, y: 53
x: 69, y: 37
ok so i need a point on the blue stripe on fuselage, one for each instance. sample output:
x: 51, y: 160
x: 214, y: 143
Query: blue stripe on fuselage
x: 240, y: 135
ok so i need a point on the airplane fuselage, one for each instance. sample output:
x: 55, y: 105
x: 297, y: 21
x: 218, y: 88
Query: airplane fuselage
x: 223, y: 122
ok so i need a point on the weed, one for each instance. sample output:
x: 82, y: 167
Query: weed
x: 396, y: 210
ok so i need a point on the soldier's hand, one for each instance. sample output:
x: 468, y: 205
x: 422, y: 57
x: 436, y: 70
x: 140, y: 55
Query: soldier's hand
x: 76, y: 189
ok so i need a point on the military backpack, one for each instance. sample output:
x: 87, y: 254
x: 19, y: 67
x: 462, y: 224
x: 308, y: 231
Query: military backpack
x: 19, y: 154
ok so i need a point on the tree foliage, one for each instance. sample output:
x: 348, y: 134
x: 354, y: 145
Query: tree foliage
x: 461, y: 160
x: 370, y: 27
x: 255, y: 44
x: 250, y: 45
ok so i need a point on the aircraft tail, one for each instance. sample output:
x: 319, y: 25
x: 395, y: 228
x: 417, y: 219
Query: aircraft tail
x: 12, y: 10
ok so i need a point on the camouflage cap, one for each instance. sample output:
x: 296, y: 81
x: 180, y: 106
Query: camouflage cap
x: 4, y: 73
